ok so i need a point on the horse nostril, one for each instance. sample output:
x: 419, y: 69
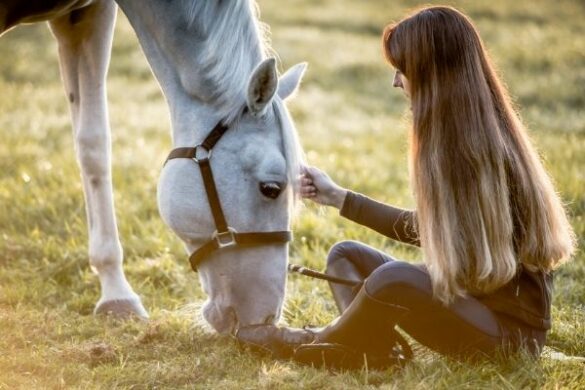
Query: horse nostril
x: 269, y: 320
x: 271, y: 189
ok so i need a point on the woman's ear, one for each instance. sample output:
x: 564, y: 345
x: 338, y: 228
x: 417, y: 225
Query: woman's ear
x: 262, y: 87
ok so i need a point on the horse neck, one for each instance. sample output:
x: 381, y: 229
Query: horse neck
x: 202, y: 53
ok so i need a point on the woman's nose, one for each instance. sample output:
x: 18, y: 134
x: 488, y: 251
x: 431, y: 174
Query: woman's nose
x: 397, y: 81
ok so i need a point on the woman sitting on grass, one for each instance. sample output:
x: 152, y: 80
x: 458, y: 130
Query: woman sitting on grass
x: 488, y: 220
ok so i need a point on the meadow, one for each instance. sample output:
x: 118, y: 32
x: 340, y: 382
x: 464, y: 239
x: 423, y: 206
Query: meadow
x: 351, y: 123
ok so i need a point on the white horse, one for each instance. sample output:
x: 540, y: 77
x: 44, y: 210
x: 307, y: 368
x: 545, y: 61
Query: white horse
x: 210, y: 59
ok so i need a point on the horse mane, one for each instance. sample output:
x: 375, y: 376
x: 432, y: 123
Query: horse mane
x: 231, y: 29
x: 235, y: 42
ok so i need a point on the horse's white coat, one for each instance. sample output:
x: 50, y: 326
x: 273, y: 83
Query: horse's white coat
x: 204, y: 54
x: 84, y: 51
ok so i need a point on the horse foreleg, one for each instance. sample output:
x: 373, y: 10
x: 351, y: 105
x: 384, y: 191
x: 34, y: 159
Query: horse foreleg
x: 85, y: 41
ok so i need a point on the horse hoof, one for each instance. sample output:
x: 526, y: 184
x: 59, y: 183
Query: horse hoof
x: 122, y: 308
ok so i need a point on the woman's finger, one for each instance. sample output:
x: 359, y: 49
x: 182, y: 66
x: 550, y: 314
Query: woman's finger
x: 311, y: 172
x: 308, y: 191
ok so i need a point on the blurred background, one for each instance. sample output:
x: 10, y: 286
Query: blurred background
x: 352, y: 123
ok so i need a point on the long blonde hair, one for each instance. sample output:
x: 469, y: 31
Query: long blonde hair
x: 484, y: 201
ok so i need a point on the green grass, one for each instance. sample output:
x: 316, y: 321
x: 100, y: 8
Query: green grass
x: 353, y: 125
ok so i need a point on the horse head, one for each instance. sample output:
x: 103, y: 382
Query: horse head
x: 255, y: 165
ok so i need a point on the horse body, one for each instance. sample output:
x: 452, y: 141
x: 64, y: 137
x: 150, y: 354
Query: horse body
x: 14, y: 12
x: 210, y: 60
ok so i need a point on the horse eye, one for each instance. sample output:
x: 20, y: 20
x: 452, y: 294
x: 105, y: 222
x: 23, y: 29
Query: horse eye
x: 271, y: 189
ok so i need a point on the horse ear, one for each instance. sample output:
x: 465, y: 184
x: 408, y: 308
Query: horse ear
x: 262, y: 86
x: 290, y: 81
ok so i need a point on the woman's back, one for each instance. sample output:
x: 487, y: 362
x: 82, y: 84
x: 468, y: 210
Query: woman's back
x: 484, y: 202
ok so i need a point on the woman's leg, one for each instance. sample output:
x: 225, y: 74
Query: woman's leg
x: 464, y: 328
x: 347, y: 259
x: 403, y: 292
x: 353, y: 260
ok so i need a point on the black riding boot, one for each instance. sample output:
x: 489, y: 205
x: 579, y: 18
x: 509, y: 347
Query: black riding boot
x: 364, y: 332
x: 276, y: 341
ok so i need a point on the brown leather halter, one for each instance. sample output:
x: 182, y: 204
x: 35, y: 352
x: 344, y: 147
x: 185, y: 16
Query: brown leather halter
x: 224, y: 236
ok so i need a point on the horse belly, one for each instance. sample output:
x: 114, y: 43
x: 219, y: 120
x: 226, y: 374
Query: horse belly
x: 13, y: 12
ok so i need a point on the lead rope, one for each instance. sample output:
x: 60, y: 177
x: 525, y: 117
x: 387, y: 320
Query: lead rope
x: 319, y: 275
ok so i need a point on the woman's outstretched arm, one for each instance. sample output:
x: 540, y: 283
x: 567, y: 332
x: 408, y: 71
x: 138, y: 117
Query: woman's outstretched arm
x: 393, y: 222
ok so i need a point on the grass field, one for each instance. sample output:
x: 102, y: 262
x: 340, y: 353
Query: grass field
x: 352, y: 124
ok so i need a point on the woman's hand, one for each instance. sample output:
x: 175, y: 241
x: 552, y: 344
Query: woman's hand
x: 318, y: 186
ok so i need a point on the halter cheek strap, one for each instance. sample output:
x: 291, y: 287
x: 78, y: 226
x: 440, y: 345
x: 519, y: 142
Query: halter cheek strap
x: 224, y: 235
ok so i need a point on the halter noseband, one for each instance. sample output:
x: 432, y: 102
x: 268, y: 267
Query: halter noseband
x: 224, y: 236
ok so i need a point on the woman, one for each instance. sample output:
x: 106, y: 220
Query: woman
x: 488, y: 220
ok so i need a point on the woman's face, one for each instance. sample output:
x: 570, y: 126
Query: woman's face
x: 400, y: 81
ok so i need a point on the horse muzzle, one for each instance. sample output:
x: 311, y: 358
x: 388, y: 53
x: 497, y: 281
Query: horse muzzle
x: 225, y: 319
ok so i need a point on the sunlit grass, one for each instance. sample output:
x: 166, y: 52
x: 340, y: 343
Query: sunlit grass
x: 352, y: 124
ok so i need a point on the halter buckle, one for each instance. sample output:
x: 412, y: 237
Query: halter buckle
x: 206, y: 156
x: 225, y: 239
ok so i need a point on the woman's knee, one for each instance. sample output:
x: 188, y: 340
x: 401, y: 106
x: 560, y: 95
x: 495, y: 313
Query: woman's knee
x: 342, y: 251
x: 398, y: 277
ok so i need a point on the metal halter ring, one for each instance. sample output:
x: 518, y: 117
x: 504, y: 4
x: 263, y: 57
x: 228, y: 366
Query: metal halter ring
x: 225, y: 239
x: 207, y: 155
